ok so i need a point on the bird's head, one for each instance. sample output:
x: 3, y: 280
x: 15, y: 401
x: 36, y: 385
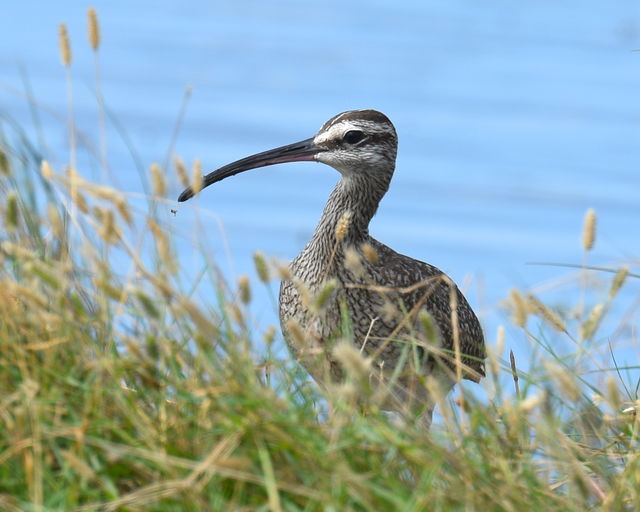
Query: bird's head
x: 356, y: 142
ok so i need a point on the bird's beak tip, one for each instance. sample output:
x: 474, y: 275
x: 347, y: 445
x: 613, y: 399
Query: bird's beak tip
x: 186, y: 195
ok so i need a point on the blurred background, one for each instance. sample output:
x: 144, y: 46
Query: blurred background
x: 513, y: 118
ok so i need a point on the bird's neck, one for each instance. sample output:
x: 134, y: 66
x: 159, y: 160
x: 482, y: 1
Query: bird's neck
x: 345, y: 219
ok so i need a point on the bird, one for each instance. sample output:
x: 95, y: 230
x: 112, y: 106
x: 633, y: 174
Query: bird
x: 401, y: 320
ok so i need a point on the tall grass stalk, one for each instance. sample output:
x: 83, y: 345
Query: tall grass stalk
x: 94, y: 35
x: 66, y: 58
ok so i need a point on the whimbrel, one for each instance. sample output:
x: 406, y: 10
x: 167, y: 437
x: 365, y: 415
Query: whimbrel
x: 407, y: 317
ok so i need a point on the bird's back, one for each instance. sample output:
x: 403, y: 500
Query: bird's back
x: 385, y: 295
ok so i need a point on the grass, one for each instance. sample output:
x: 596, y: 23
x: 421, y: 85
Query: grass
x: 120, y: 390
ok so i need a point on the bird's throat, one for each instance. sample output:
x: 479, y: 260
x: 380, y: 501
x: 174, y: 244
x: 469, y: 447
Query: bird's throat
x: 345, y: 219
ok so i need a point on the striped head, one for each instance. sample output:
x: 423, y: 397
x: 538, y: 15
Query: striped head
x: 358, y: 141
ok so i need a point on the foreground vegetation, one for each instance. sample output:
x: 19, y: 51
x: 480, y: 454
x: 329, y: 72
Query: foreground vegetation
x: 121, y: 390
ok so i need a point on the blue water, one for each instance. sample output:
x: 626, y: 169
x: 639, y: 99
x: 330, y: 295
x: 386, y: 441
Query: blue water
x: 513, y: 119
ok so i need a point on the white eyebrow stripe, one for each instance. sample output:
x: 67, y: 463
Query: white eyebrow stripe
x: 338, y: 118
x: 338, y: 128
x: 334, y: 131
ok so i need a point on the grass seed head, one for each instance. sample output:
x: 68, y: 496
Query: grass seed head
x: 494, y: 354
x: 102, y: 192
x: 163, y: 246
x: 588, y: 328
x: 181, y: 171
x: 74, y: 182
x: 613, y: 394
x: 500, y: 341
x: 196, y: 176
x: 325, y: 294
x: 11, y: 213
x: 270, y: 335
x: 342, y: 226
x: 46, y: 170
x: 94, y: 29
x: 55, y: 221
x: 236, y: 313
x: 589, y: 230
x: 545, y: 313
x: 109, y: 290
x: 566, y: 381
x: 283, y: 270
x: 108, y: 230
x: 296, y: 332
x: 157, y: 180
x: 356, y: 366
x: 618, y: 281
x: 369, y: 253
x: 305, y: 294
x: 346, y: 392
x: 353, y: 262
x: 123, y: 209
x: 5, y: 166
x: 532, y: 402
x: 79, y: 200
x: 245, y: 289
x: 261, y: 266
x: 389, y: 311
x: 201, y: 321
x: 519, y: 308
x: 65, y: 47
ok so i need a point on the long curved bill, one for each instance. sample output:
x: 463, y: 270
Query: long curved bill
x: 305, y: 150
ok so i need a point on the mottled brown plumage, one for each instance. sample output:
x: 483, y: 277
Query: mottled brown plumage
x: 384, y: 293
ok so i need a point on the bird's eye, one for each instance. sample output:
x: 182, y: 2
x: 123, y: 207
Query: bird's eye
x: 353, y: 136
